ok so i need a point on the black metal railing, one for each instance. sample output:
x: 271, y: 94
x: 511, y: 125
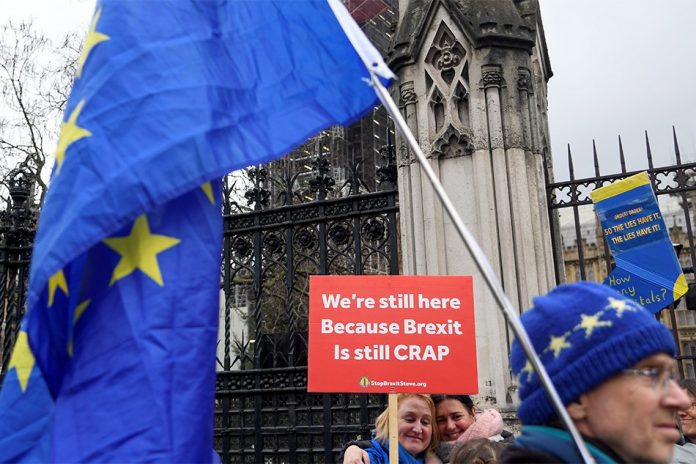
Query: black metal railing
x: 298, y: 220
x: 17, y: 229
x: 582, y: 252
x: 266, y: 415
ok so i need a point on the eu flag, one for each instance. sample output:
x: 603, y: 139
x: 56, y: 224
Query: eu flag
x: 115, y: 357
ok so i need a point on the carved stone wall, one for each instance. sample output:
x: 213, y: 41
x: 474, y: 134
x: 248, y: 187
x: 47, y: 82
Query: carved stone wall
x: 472, y: 77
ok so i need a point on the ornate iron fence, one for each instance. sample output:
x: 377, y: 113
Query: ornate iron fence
x: 267, y: 416
x: 17, y: 228
x: 581, y: 251
x: 299, y: 220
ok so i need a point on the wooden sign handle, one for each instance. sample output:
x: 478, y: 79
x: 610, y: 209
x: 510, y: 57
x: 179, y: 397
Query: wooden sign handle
x: 393, y: 429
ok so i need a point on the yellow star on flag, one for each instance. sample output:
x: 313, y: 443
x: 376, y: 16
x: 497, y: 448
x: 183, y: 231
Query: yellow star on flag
x: 528, y: 369
x: 55, y: 282
x: 139, y: 250
x: 92, y: 40
x: 589, y: 323
x: 208, y: 190
x: 558, y: 344
x: 80, y: 309
x: 78, y: 312
x: 70, y: 133
x: 22, y: 360
x: 620, y: 306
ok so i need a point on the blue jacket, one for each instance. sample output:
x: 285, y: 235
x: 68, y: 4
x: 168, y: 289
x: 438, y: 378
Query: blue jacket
x: 379, y: 454
x: 551, y: 444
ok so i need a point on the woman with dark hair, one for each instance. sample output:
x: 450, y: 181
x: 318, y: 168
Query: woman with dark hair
x: 686, y: 452
x: 455, y: 414
x: 458, y: 423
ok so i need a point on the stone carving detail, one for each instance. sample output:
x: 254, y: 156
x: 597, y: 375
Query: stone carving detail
x: 449, y: 58
x: 405, y: 157
x: 461, y: 102
x: 492, y: 77
x: 446, y: 55
x: 453, y: 143
x: 408, y: 94
x: 447, y: 93
x: 437, y: 105
x: 524, y: 81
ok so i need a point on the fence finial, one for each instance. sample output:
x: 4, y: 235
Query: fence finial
x: 676, y: 145
x: 649, y: 152
x: 571, y: 171
x: 596, y: 160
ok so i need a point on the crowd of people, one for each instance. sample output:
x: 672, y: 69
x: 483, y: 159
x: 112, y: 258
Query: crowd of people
x: 612, y: 364
x: 432, y: 429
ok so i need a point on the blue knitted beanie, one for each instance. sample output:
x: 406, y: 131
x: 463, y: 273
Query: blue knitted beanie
x: 584, y: 333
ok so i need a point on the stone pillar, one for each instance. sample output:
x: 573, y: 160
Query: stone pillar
x: 472, y: 81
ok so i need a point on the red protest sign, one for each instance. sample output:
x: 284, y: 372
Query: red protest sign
x: 387, y: 334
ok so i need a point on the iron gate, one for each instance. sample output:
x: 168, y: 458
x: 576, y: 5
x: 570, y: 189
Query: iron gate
x: 303, y: 222
x: 582, y: 253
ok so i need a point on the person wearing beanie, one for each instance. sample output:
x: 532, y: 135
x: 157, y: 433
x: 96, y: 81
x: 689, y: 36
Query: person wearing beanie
x: 612, y: 365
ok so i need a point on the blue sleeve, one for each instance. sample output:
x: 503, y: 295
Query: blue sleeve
x: 377, y: 454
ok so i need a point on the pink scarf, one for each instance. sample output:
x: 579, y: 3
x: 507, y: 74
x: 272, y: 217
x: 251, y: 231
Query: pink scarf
x: 488, y: 424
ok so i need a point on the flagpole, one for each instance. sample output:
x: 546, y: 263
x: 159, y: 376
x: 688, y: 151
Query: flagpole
x: 484, y: 266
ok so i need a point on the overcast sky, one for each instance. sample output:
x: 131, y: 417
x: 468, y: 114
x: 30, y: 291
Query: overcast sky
x: 53, y: 17
x: 620, y: 67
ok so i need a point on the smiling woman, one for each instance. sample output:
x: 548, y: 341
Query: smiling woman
x: 459, y: 423
x: 688, y: 416
x: 417, y: 433
x: 686, y: 452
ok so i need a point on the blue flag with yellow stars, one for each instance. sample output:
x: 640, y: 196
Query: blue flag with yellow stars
x: 647, y: 269
x: 115, y: 357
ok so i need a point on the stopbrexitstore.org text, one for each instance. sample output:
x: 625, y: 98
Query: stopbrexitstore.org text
x: 397, y: 383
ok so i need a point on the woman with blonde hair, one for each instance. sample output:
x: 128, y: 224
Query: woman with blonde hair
x: 417, y: 434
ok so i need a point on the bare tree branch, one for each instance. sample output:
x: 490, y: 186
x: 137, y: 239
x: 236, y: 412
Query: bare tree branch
x: 35, y: 81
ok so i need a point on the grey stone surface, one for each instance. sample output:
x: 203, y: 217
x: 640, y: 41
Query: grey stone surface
x: 472, y: 88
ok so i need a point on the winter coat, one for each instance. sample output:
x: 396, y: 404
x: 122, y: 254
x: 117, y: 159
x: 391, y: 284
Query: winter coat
x: 684, y: 454
x: 539, y: 444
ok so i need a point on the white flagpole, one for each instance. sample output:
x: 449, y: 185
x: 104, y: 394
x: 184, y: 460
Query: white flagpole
x: 485, y: 267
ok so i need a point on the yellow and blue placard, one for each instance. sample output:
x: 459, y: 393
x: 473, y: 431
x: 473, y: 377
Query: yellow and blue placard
x: 647, y: 268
